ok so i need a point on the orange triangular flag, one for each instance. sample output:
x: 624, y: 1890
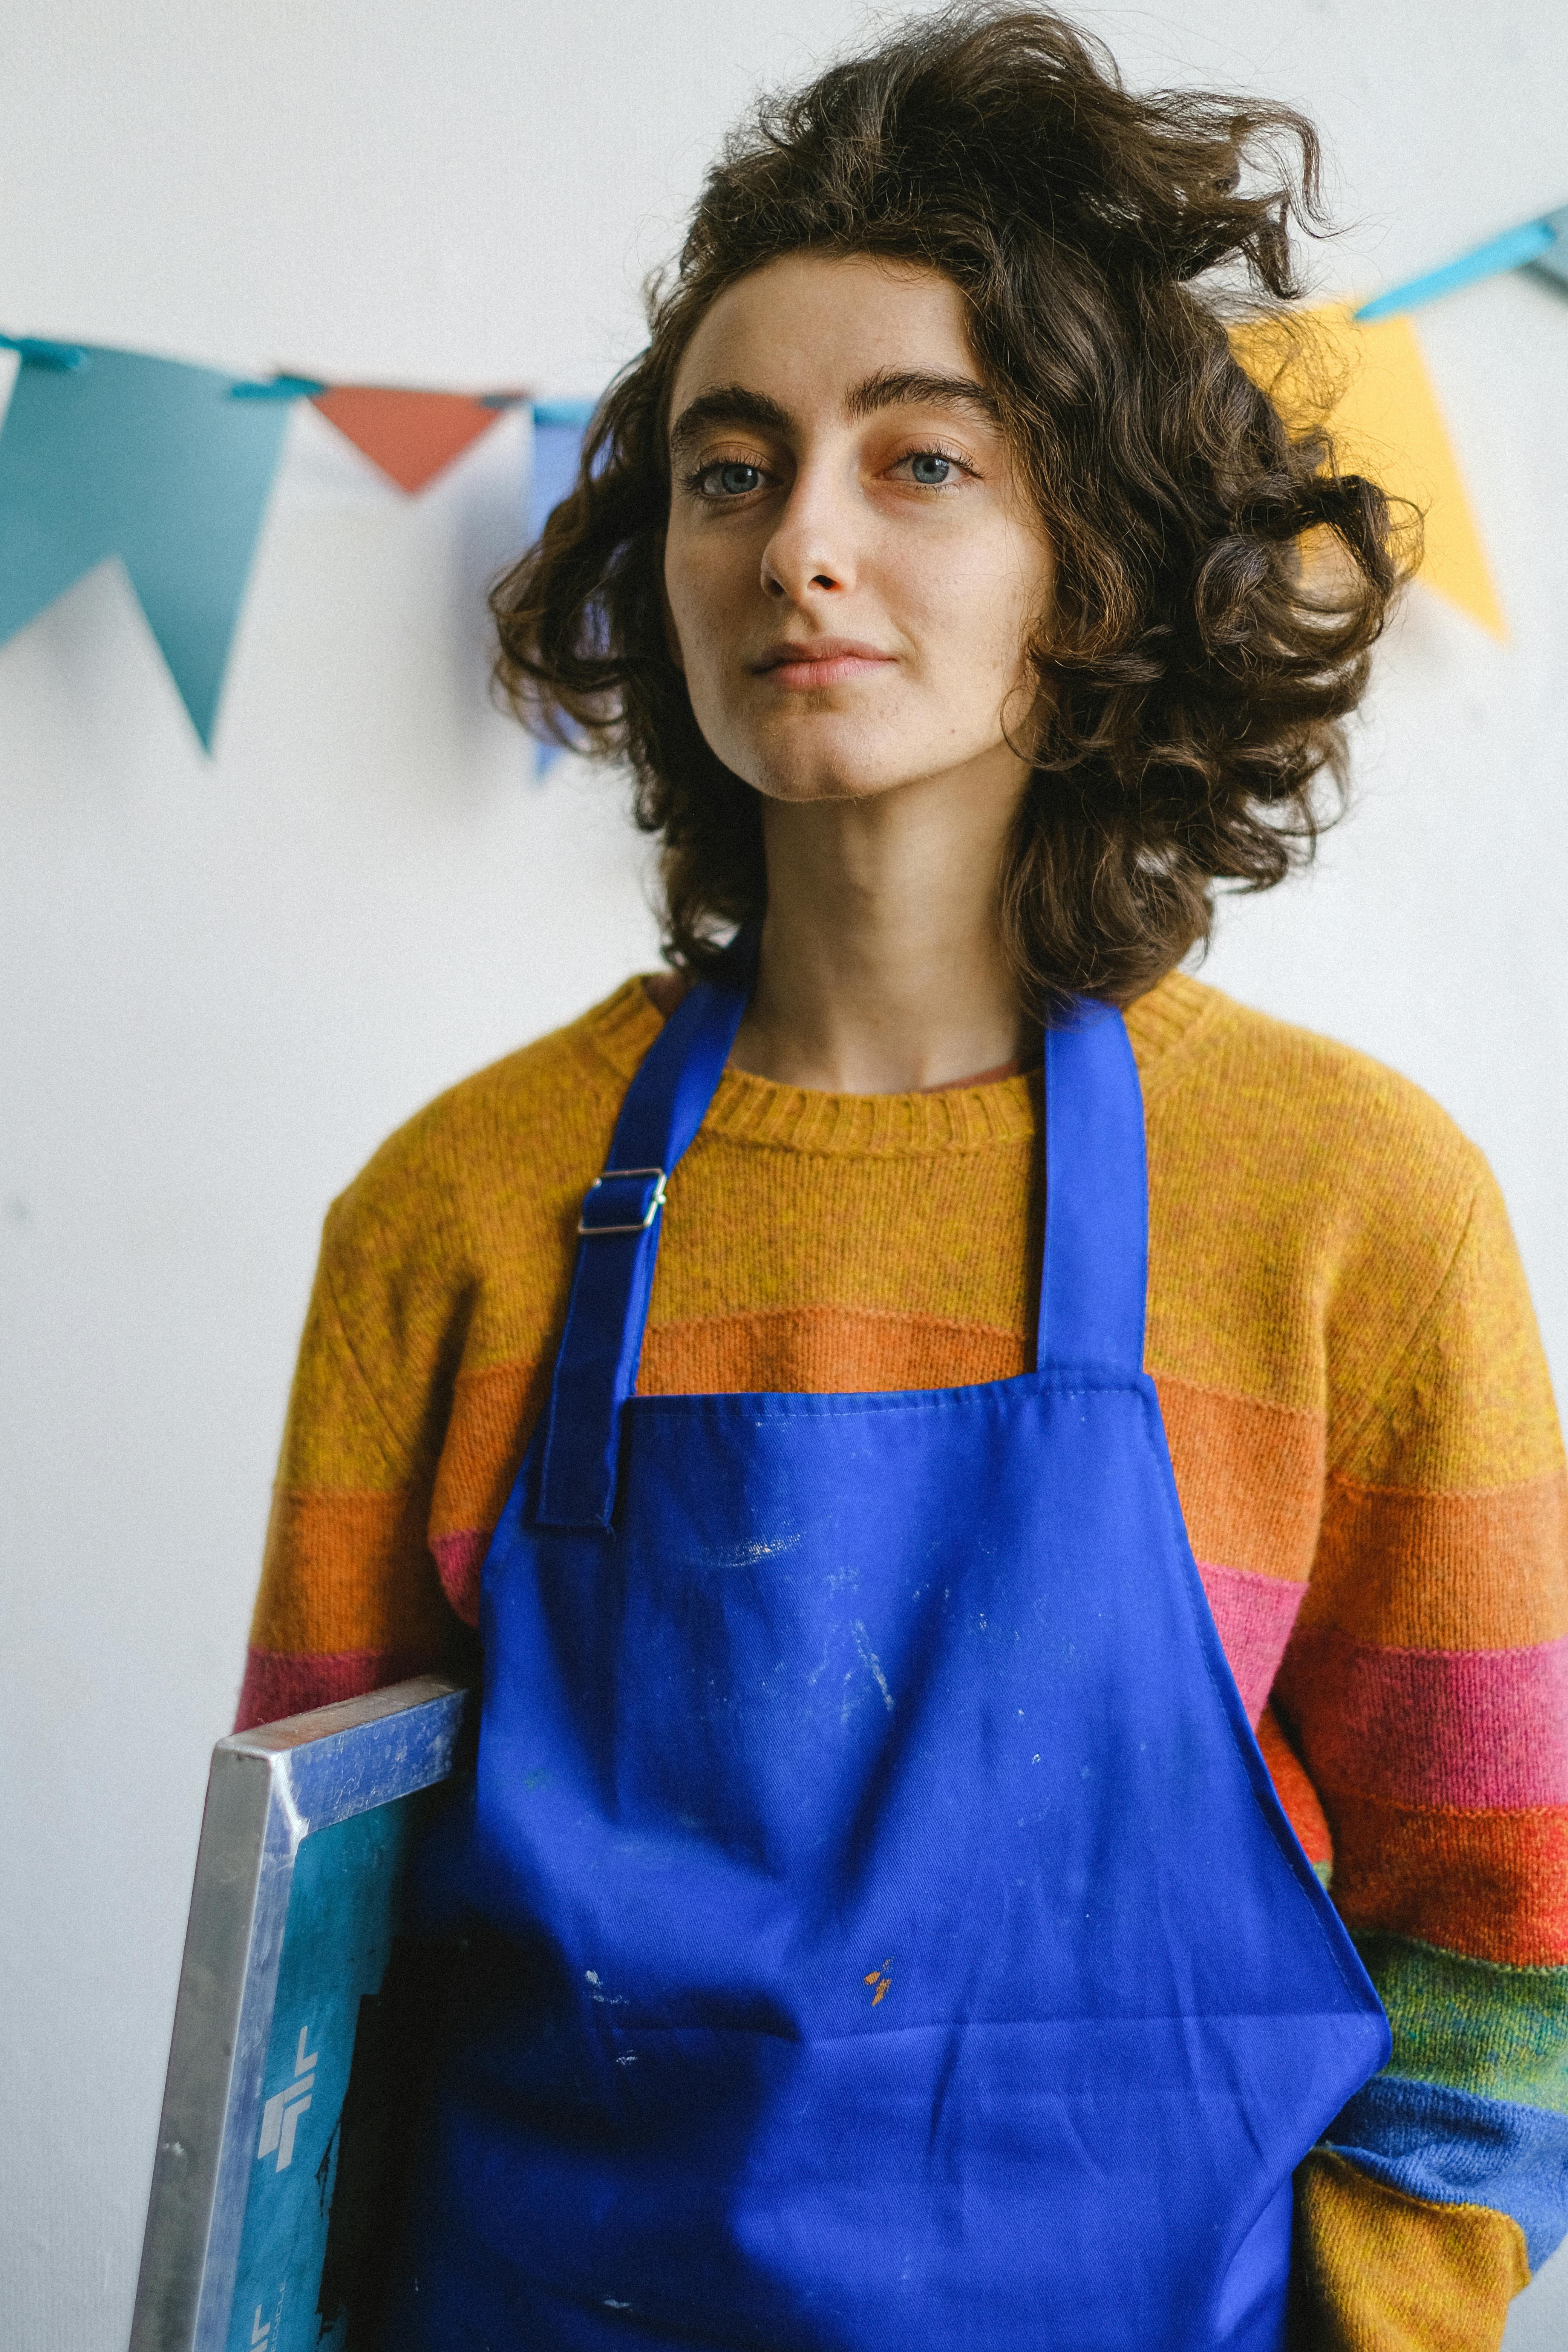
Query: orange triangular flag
x: 411, y: 435
x: 1385, y: 417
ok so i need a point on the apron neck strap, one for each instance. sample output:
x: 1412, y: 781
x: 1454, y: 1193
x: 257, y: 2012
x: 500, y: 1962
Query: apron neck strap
x: 596, y: 1366
x: 1092, y: 1280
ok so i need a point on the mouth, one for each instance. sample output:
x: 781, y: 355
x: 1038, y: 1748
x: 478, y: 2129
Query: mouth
x: 818, y: 662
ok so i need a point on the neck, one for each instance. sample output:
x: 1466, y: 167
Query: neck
x: 881, y: 968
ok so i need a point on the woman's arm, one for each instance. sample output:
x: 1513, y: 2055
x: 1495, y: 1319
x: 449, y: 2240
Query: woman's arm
x: 441, y: 1285
x: 349, y: 1598
x: 1426, y: 1687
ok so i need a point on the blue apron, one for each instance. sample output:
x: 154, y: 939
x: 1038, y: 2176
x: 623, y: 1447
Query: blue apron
x: 894, y: 1941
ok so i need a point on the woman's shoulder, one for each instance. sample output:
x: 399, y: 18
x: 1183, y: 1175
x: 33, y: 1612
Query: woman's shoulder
x: 519, y: 1138
x: 1287, y: 1103
x: 1311, y: 1211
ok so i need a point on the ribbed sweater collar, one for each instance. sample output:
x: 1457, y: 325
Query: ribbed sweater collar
x: 1164, y: 1027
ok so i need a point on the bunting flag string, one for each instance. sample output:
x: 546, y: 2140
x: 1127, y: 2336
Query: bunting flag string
x: 1538, y: 246
x: 169, y: 466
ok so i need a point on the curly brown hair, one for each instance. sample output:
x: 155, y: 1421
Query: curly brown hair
x: 1197, y: 665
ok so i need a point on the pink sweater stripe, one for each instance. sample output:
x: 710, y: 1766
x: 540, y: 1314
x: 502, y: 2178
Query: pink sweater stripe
x: 1253, y: 1615
x: 461, y: 1556
x: 279, y: 1683
x: 1467, y: 1728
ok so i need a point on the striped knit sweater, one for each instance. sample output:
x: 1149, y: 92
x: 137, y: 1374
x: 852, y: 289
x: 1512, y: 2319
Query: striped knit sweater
x: 1364, y: 1443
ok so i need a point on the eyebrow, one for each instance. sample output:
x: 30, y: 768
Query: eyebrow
x: 920, y: 388
x: 736, y: 404
x: 727, y: 404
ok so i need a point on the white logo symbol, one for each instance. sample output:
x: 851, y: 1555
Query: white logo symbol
x: 279, y: 2119
x: 261, y: 2330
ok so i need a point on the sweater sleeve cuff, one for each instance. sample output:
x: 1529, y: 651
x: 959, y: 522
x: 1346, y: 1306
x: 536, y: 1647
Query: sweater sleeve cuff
x: 1379, y: 2271
x: 1451, y: 2148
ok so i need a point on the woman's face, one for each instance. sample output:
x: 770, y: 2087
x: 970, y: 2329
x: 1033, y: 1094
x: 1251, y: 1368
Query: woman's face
x: 853, y: 563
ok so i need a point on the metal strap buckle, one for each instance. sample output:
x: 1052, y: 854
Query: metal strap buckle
x: 655, y: 1201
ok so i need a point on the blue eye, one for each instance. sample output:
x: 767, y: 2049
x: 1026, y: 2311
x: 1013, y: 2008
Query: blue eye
x: 734, y: 480
x: 929, y: 470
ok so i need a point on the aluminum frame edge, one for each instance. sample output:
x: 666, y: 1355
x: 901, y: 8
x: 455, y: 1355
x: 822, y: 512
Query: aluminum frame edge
x: 267, y: 1790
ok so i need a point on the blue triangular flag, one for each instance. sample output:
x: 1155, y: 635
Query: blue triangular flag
x: 150, y: 460
x: 557, y: 448
x: 558, y: 429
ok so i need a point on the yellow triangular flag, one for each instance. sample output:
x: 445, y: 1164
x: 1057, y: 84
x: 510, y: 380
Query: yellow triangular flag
x: 1386, y: 424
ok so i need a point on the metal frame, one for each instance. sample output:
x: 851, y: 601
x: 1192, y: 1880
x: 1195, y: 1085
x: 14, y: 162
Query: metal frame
x: 267, y: 1791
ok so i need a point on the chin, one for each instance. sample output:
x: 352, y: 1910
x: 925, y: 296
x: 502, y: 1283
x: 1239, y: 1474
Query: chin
x: 802, y: 773
x: 802, y: 785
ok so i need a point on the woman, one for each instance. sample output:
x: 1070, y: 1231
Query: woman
x: 888, y: 1933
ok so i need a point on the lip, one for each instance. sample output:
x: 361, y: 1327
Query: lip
x: 801, y: 666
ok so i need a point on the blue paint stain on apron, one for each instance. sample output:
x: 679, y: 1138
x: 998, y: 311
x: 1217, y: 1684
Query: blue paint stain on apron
x: 895, y: 1941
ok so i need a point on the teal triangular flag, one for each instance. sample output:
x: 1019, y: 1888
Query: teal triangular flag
x: 152, y: 461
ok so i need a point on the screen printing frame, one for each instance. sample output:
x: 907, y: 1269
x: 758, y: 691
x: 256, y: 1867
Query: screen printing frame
x: 268, y: 1791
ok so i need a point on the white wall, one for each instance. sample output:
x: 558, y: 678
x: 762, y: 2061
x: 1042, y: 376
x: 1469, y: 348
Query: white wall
x: 224, y: 980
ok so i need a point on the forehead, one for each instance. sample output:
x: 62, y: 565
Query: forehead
x: 804, y: 328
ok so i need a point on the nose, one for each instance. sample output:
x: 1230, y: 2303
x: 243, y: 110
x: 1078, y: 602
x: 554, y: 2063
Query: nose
x: 811, y: 551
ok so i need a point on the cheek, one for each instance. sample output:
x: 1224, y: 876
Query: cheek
x: 982, y: 613
x: 1022, y: 598
x: 701, y: 607
x: 679, y: 605
x: 700, y: 577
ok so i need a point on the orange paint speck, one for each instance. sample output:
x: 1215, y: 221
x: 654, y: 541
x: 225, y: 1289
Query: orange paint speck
x: 881, y: 1988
